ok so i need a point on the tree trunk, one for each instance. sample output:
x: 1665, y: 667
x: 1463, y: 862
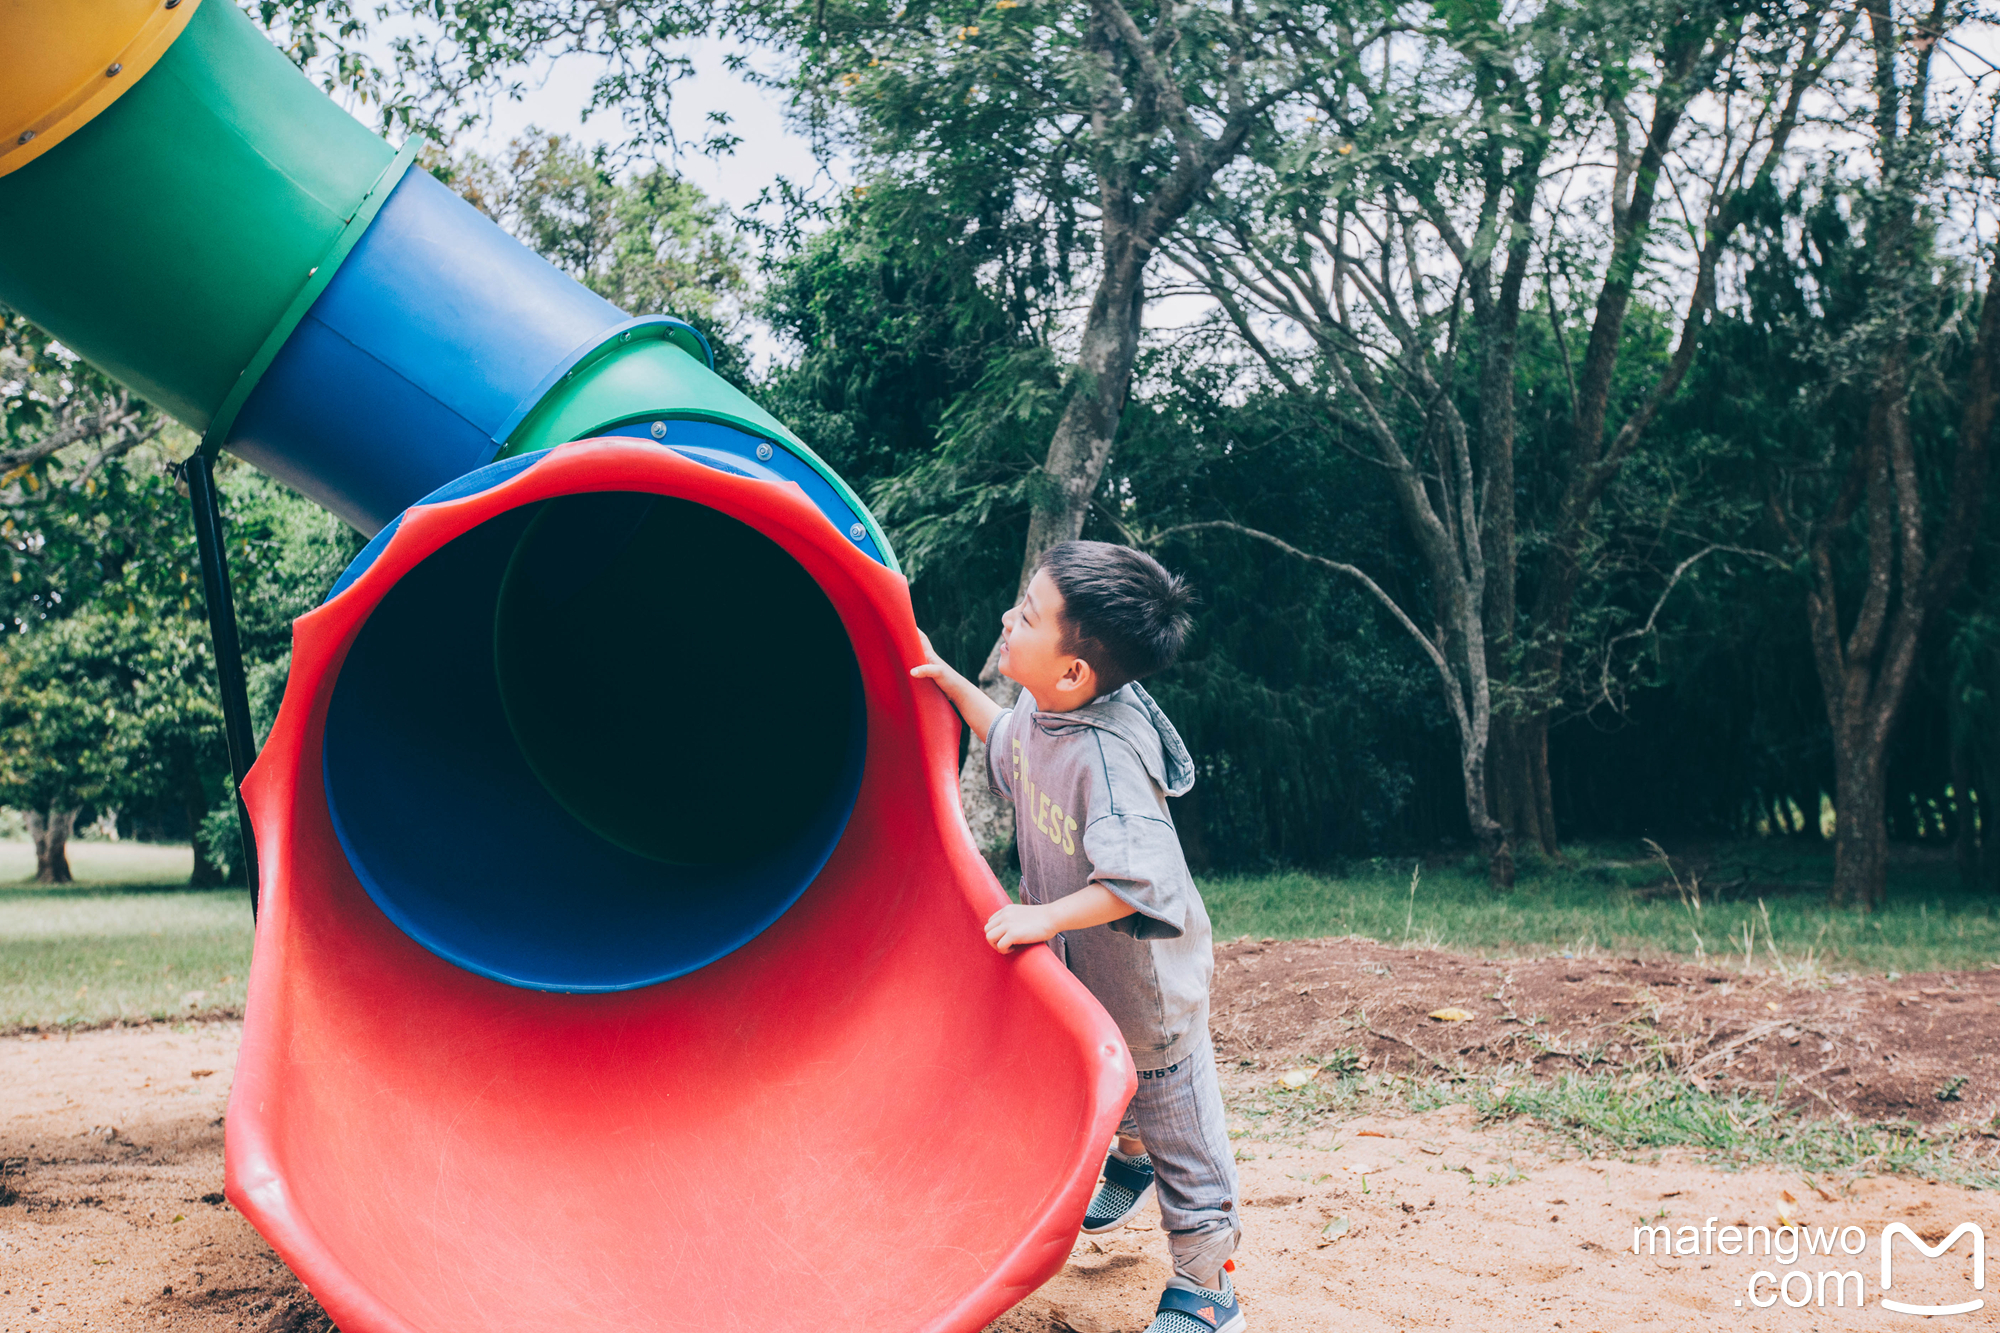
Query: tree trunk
x: 1486, y: 830
x: 51, y: 835
x: 1521, y: 782
x: 1860, y: 830
x: 1075, y: 465
x: 206, y: 874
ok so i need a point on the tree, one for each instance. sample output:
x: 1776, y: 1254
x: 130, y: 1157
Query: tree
x: 1105, y: 120
x: 1884, y: 316
x: 110, y: 692
x: 1395, y: 229
x: 78, y: 708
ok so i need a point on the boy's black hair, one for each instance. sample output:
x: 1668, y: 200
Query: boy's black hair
x: 1122, y: 612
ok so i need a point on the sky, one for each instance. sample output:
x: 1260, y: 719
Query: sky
x: 558, y: 91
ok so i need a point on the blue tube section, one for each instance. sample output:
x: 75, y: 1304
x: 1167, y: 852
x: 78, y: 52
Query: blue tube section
x: 461, y: 844
x: 408, y: 369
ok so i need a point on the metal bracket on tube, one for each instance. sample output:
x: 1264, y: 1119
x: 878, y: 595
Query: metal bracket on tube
x: 199, y: 473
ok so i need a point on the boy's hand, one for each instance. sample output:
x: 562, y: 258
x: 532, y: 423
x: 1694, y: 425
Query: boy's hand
x: 934, y: 667
x: 970, y: 701
x: 1018, y: 924
x: 1029, y: 923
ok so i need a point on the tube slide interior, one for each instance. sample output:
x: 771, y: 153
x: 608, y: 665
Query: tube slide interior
x: 595, y: 742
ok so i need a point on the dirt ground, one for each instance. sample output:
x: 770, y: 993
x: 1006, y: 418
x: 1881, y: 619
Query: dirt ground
x: 1875, y: 1049
x: 111, y: 1214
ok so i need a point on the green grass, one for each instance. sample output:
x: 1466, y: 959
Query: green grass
x: 130, y: 942
x: 1632, y: 1118
x: 115, y: 946
x: 1619, y: 900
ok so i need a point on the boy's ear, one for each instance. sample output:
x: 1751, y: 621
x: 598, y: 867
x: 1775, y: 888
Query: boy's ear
x: 1079, y: 676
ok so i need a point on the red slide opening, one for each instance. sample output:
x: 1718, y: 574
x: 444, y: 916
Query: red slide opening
x: 863, y: 1117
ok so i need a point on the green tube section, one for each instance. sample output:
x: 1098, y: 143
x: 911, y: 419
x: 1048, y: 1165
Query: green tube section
x: 642, y: 375
x: 244, y: 177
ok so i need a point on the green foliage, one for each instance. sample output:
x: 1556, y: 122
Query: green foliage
x: 285, y: 553
x: 85, y: 497
x: 107, y: 682
x: 651, y: 244
x: 899, y: 306
x: 921, y: 376
x: 103, y: 709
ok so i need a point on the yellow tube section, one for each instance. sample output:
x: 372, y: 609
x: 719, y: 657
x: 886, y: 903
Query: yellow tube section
x: 63, y: 61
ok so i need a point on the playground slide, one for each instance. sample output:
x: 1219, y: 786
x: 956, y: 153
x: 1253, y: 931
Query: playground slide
x: 619, y: 962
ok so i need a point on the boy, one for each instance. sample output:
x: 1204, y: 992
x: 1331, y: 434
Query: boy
x: 1089, y: 760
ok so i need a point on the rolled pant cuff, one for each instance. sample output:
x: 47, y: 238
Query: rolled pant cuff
x: 1199, y: 1255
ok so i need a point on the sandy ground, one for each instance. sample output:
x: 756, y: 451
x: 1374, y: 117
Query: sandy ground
x: 111, y: 1217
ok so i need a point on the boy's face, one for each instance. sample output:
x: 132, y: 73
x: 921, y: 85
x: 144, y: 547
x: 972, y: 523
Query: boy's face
x: 1031, y: 634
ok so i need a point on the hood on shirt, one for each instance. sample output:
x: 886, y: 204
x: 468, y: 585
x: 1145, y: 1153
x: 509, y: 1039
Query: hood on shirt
x: 1130, y: 714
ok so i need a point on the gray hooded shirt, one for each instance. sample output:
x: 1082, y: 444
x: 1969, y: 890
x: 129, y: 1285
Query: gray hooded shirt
x: 1090, y: 790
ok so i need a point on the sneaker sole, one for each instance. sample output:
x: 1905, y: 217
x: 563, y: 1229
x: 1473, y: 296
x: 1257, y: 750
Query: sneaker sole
x: 1126, y: 1217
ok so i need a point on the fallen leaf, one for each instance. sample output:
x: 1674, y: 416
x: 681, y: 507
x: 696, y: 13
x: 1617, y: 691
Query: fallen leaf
x: 1451, y: 1015
x: 1332, y: 1231
x: 200, y: 1073
x: 1786, y: 1195
x: 1369, y: 1134
x: 1772, y: 1005
x: 1298, y: 1078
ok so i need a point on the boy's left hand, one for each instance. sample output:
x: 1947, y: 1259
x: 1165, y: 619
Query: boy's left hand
x: 1019, y: 923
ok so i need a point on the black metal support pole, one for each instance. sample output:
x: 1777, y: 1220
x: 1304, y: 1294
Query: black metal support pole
x: 200, y: 474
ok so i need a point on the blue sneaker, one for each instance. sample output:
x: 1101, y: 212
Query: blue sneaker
x: 1186, y: 1308
x: 1127, y: 1180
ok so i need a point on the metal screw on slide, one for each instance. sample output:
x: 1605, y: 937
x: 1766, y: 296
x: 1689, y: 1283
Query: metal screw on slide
x: 763, y: 453
x: 659, y: 430
x: 113, y: 71
x: 857, y: 532
x: 199, y: 474
x: 25, y: 136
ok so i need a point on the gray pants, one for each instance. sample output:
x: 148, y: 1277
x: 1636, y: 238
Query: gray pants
x: 1177, y: 1112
